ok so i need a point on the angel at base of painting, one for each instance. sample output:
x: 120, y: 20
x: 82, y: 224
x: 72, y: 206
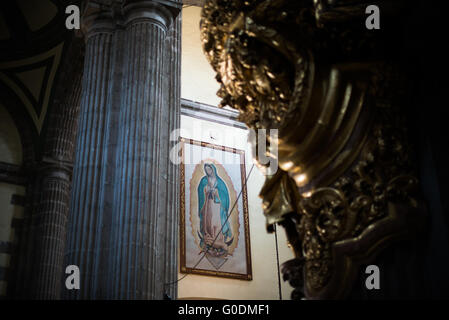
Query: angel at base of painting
x: 213, y: 195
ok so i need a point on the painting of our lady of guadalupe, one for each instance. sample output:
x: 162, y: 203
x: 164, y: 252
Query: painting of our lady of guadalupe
x: 214, y: 217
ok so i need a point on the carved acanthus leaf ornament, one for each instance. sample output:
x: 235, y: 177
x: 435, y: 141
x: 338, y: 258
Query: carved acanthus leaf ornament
x: 346, y: 186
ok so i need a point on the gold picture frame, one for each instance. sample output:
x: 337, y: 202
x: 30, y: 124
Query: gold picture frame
x: 214, y: 253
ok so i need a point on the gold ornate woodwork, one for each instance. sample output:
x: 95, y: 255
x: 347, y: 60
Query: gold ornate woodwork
x: 346, y: 186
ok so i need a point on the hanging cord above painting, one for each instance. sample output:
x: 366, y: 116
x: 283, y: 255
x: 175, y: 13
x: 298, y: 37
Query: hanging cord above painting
x: 277, y: 261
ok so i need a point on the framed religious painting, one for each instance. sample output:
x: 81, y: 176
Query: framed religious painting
x: 214, y: 231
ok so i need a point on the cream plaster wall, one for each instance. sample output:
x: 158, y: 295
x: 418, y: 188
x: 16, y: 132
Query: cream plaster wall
x: 197, y: 76
x: 198, y: 84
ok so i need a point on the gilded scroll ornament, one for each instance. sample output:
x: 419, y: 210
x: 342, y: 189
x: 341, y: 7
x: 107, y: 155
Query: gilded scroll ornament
x: 346, y: 185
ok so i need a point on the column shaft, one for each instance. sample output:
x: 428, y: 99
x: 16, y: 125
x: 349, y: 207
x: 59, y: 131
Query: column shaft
x: 51, y: 230
x: 170, y: 206
x: 89, y: 169
x: 123, y: 224
x: 52, y: 184
x: 137, y: 264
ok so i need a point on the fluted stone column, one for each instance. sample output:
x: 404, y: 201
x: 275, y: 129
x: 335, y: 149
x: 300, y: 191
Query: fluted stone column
x: 91, y: 159
x: 124, y: 213
x: 170, y: 172
x: 51, y: 230
x: 40, y: 264
x: 140, y: 212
